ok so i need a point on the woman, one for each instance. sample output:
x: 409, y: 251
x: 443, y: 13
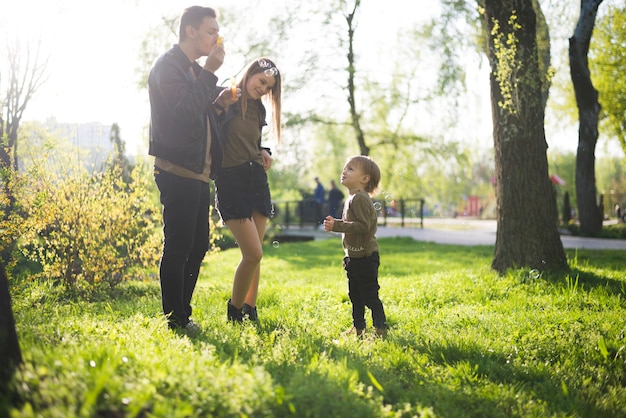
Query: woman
x: 242, y: 195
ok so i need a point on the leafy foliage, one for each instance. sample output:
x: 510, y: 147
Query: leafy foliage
x: 608, y: 65
x: 84, y: 229
x: 81, y: 225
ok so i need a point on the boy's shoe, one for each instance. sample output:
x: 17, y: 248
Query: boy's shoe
x: 381, y: 332
x: 250, y: 312
x: 354, y: 330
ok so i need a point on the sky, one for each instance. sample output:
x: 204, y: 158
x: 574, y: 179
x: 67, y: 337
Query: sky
x: 93, y: 49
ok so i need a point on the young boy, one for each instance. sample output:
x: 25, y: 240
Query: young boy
x: 360, y: 176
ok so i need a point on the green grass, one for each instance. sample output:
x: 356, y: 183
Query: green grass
x: 463, y: 342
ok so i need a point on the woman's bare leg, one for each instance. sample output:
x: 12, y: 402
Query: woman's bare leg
x: 260, y: 222
x: 249, y: 238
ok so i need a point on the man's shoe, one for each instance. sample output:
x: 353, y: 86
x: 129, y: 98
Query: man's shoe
x: 192, y: 329
x: 250, y: 312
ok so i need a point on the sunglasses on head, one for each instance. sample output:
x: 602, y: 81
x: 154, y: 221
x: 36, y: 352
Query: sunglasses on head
x: 268, y: 69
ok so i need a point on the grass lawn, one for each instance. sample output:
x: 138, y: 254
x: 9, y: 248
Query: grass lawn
x: 463, y: 342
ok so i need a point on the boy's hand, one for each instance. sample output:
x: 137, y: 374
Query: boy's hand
x: 328, y: 223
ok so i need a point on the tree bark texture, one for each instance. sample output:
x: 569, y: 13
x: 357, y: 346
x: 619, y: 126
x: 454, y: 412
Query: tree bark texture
x: 9, y: 346
x: 589, y: 213
x: 527, y: 215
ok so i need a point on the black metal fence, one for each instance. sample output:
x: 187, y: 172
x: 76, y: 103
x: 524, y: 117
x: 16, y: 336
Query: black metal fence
x: 307, y: 212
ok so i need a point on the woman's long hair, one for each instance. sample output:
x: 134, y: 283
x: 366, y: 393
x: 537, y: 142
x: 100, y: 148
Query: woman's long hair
x: 272, y: 98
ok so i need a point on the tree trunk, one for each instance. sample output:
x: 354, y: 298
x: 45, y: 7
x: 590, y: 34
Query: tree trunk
x: 527, y: 213
x: 589, y: 213
x: 354, y: 114
x: 9, y: 346
x: 543, y: 48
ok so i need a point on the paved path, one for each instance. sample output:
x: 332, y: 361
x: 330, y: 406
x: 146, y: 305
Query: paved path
x: 488, y: 237
x: 466, y: 232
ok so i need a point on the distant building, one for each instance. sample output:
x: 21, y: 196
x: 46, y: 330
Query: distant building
x: 92, y: 140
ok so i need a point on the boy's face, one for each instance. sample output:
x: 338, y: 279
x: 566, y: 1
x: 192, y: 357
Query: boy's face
x: 353, y: 177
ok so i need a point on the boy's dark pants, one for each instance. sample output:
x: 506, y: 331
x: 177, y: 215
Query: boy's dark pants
x: 363, y: 290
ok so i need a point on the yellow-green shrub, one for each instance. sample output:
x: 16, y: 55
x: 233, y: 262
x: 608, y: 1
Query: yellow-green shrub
x: 89, y: 229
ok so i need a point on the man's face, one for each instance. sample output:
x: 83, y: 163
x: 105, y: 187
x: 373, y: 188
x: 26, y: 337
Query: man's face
x: 205, y: 36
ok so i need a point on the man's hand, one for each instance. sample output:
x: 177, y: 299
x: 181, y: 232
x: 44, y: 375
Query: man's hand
x: 215, y: 59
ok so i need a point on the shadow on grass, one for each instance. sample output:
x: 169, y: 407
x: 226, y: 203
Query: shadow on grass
x: 314, y: 389
x: 469, y: 363
x: 587, y: 281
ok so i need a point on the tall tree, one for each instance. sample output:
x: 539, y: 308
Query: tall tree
x: 527, y: 233
x: 119, y: 159
x: 26, y: 75
x: 354, y: 114
x: 27, y: 71
x: 589, y: 213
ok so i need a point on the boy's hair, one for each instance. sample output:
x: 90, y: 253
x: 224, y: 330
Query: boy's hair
x: 194, y: 16
x: 370, y: 168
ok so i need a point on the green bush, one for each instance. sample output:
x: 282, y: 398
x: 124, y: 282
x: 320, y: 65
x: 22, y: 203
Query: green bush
x: 88, y: 229
x: 617, y: 231
x: 78, y: 226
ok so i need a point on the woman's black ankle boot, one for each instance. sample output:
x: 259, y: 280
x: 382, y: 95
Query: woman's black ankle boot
x: 250, y: 312
x: 234, y: 314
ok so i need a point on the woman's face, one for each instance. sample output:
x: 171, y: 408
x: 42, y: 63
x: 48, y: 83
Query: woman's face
x: 259, y: 85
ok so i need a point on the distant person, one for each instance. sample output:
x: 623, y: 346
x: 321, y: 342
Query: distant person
x: 393, y: 209
x: 335, y: 196
x: 319, y: 195
x: 242, y: 193
x: 183, y: 140
x: 360, y: 176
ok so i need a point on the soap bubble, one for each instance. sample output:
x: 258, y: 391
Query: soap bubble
x: 377, y: 205
x: 534, y: 274
x: 275, y: 244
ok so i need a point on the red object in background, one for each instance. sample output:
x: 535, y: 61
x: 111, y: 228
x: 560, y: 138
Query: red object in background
x: 473, y: 206
x: 557, y: 180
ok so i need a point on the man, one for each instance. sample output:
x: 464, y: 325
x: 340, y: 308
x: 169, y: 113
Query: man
x: 335, y: 196
x: 184, y: 142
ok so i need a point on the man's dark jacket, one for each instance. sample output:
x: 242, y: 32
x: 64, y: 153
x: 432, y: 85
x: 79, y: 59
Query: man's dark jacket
x: 180, y: 104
